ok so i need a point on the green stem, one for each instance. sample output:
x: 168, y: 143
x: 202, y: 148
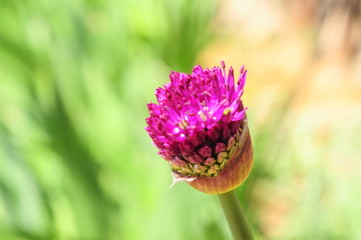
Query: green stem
x: 233, y: 212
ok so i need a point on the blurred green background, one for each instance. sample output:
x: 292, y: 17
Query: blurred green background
x: 75, y: 75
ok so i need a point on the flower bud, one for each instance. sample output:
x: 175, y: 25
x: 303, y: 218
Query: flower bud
x: 200, y: 128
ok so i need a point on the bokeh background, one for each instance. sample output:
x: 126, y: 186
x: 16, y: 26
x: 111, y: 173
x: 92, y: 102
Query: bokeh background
x: 75, y: 75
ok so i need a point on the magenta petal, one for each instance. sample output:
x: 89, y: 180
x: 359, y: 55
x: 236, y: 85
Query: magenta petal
x: 205, y: 151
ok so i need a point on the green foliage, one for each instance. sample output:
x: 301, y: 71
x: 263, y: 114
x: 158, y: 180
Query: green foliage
x: 75, y: 161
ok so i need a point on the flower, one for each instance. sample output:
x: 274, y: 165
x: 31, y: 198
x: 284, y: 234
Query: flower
x: 200, y: 127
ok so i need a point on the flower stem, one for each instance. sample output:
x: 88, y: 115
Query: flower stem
x: 234, y: 215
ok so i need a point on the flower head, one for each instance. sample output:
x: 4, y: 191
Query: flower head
x: 198, y: 122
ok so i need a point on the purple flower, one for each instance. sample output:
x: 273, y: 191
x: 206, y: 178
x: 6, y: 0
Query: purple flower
x: 197, y: 122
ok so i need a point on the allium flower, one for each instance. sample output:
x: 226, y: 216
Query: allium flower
x: 199, y: 125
